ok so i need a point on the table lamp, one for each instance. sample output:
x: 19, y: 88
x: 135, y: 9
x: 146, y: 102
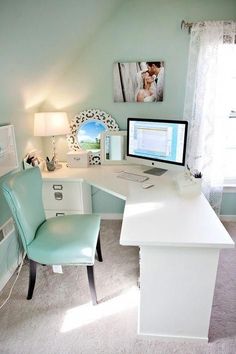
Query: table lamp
x: 51, y: 124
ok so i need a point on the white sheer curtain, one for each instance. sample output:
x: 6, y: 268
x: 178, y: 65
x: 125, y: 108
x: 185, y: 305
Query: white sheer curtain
x: 208, y: 102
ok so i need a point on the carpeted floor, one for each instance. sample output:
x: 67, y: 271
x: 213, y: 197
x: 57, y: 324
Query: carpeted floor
x: 60, y: 318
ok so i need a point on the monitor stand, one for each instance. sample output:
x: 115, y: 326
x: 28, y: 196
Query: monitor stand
x: 156, y: 171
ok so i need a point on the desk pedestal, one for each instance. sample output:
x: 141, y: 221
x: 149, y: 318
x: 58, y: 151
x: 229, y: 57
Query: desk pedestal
x: 177, y: 287
x: 180, y: 239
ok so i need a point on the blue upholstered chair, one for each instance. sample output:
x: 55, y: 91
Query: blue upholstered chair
x: 62, y: 240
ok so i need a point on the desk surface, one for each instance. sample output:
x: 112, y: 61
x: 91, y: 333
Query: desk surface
x: 157, y: 216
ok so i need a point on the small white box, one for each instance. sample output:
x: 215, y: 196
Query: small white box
x: 77, y: 159
x: 188, y: 185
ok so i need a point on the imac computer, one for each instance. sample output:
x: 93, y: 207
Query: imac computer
x: 157, y: 143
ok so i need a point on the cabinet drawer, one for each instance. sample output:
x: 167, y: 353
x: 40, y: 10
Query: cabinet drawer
x: 63, y: 195
x: 52, y: 213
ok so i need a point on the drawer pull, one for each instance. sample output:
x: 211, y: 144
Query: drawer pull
x: 57, y: 187
x: 58, y: 195
x: 60, y: 214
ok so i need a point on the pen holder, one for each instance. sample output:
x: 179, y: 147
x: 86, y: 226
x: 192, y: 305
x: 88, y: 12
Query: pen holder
x: 50, y: 165
x: 189, y: 185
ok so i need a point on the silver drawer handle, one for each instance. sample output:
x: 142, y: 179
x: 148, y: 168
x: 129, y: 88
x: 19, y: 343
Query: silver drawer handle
x: 58, y: 195
x: 57, y: 187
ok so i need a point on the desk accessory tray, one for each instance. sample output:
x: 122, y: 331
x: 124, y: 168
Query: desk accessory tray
x: 188, y: 185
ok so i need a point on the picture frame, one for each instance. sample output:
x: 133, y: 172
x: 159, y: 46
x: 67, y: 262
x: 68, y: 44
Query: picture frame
x: 141, y: 81
x: 113, y: 147
x: 86, y: 128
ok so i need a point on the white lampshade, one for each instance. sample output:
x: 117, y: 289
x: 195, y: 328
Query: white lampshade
x: 51, y: 124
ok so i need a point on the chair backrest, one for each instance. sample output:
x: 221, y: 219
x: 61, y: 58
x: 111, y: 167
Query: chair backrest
x: 23, y: 192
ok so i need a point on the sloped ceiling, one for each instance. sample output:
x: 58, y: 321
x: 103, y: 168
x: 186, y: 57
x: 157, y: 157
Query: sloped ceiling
x: 40, y: 38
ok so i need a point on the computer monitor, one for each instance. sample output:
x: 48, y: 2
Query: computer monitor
x: 157, y: 143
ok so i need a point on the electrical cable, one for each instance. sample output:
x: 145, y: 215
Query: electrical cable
x: 18, y: 273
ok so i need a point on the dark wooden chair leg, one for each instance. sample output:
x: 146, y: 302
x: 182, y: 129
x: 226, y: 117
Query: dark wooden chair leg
x: 98, y: 248
x: 32, y: 278
x: 92, y: 284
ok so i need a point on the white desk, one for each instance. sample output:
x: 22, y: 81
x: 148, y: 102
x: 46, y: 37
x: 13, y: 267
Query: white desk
x: 179, y: 239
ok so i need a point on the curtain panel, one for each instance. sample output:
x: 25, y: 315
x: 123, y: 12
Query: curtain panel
x: 208, y: 102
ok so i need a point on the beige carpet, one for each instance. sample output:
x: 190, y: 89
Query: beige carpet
x: 61, y: 319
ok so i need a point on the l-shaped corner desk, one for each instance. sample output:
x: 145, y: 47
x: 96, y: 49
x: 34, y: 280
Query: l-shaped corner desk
x: 179, y: 239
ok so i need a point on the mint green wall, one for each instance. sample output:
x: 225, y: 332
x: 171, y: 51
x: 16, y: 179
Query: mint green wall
x: 104, y: 203
x: 62, y: 52
x: 140, y: 30
x: 228, y: 206
x: 39, y: 40
x: 17, y: 76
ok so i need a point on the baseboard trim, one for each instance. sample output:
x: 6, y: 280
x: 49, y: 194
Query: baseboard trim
x: 172, y: 338
x: 228, y: 218
x: 110, y: 216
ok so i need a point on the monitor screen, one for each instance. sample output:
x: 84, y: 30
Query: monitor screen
x: 157, y: 140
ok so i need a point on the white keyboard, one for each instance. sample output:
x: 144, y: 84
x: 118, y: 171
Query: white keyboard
x: 132, y: 177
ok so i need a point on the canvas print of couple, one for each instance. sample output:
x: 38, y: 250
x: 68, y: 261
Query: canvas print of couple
x: 138, y: 82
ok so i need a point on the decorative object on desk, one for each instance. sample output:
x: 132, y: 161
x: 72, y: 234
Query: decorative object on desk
x: 86, y: 128
x: 189, y: 183
x: 138, y: 81
x: 32, y: 159
x: 51, y: 124
x: 51, y: 166
x: 8, y: 152
x: 77, y: 159
x: 113, y: 147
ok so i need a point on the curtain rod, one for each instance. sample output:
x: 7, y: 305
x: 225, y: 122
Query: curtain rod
x: 186, y: 25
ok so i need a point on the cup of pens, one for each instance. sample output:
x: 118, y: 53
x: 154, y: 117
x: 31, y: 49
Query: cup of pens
x: 195, y: 178
x: 50, y: 164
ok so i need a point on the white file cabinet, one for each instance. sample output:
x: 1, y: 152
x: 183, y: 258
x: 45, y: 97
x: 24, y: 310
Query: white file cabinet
x: 64, y: 198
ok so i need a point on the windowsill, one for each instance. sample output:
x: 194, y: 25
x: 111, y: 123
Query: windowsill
x: 229, y: 186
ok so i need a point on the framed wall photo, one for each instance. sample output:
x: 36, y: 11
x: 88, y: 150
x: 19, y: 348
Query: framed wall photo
x: 138, y: 81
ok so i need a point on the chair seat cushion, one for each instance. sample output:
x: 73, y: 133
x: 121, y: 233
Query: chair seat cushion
x: 70, y: 239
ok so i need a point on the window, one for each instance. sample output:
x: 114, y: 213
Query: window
x: 230, y: 162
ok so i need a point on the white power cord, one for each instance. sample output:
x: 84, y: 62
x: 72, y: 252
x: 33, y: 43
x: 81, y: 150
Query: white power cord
x: 18, y: 273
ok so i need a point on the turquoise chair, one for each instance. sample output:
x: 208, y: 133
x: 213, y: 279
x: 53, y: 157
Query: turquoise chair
x: 62, y: 240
